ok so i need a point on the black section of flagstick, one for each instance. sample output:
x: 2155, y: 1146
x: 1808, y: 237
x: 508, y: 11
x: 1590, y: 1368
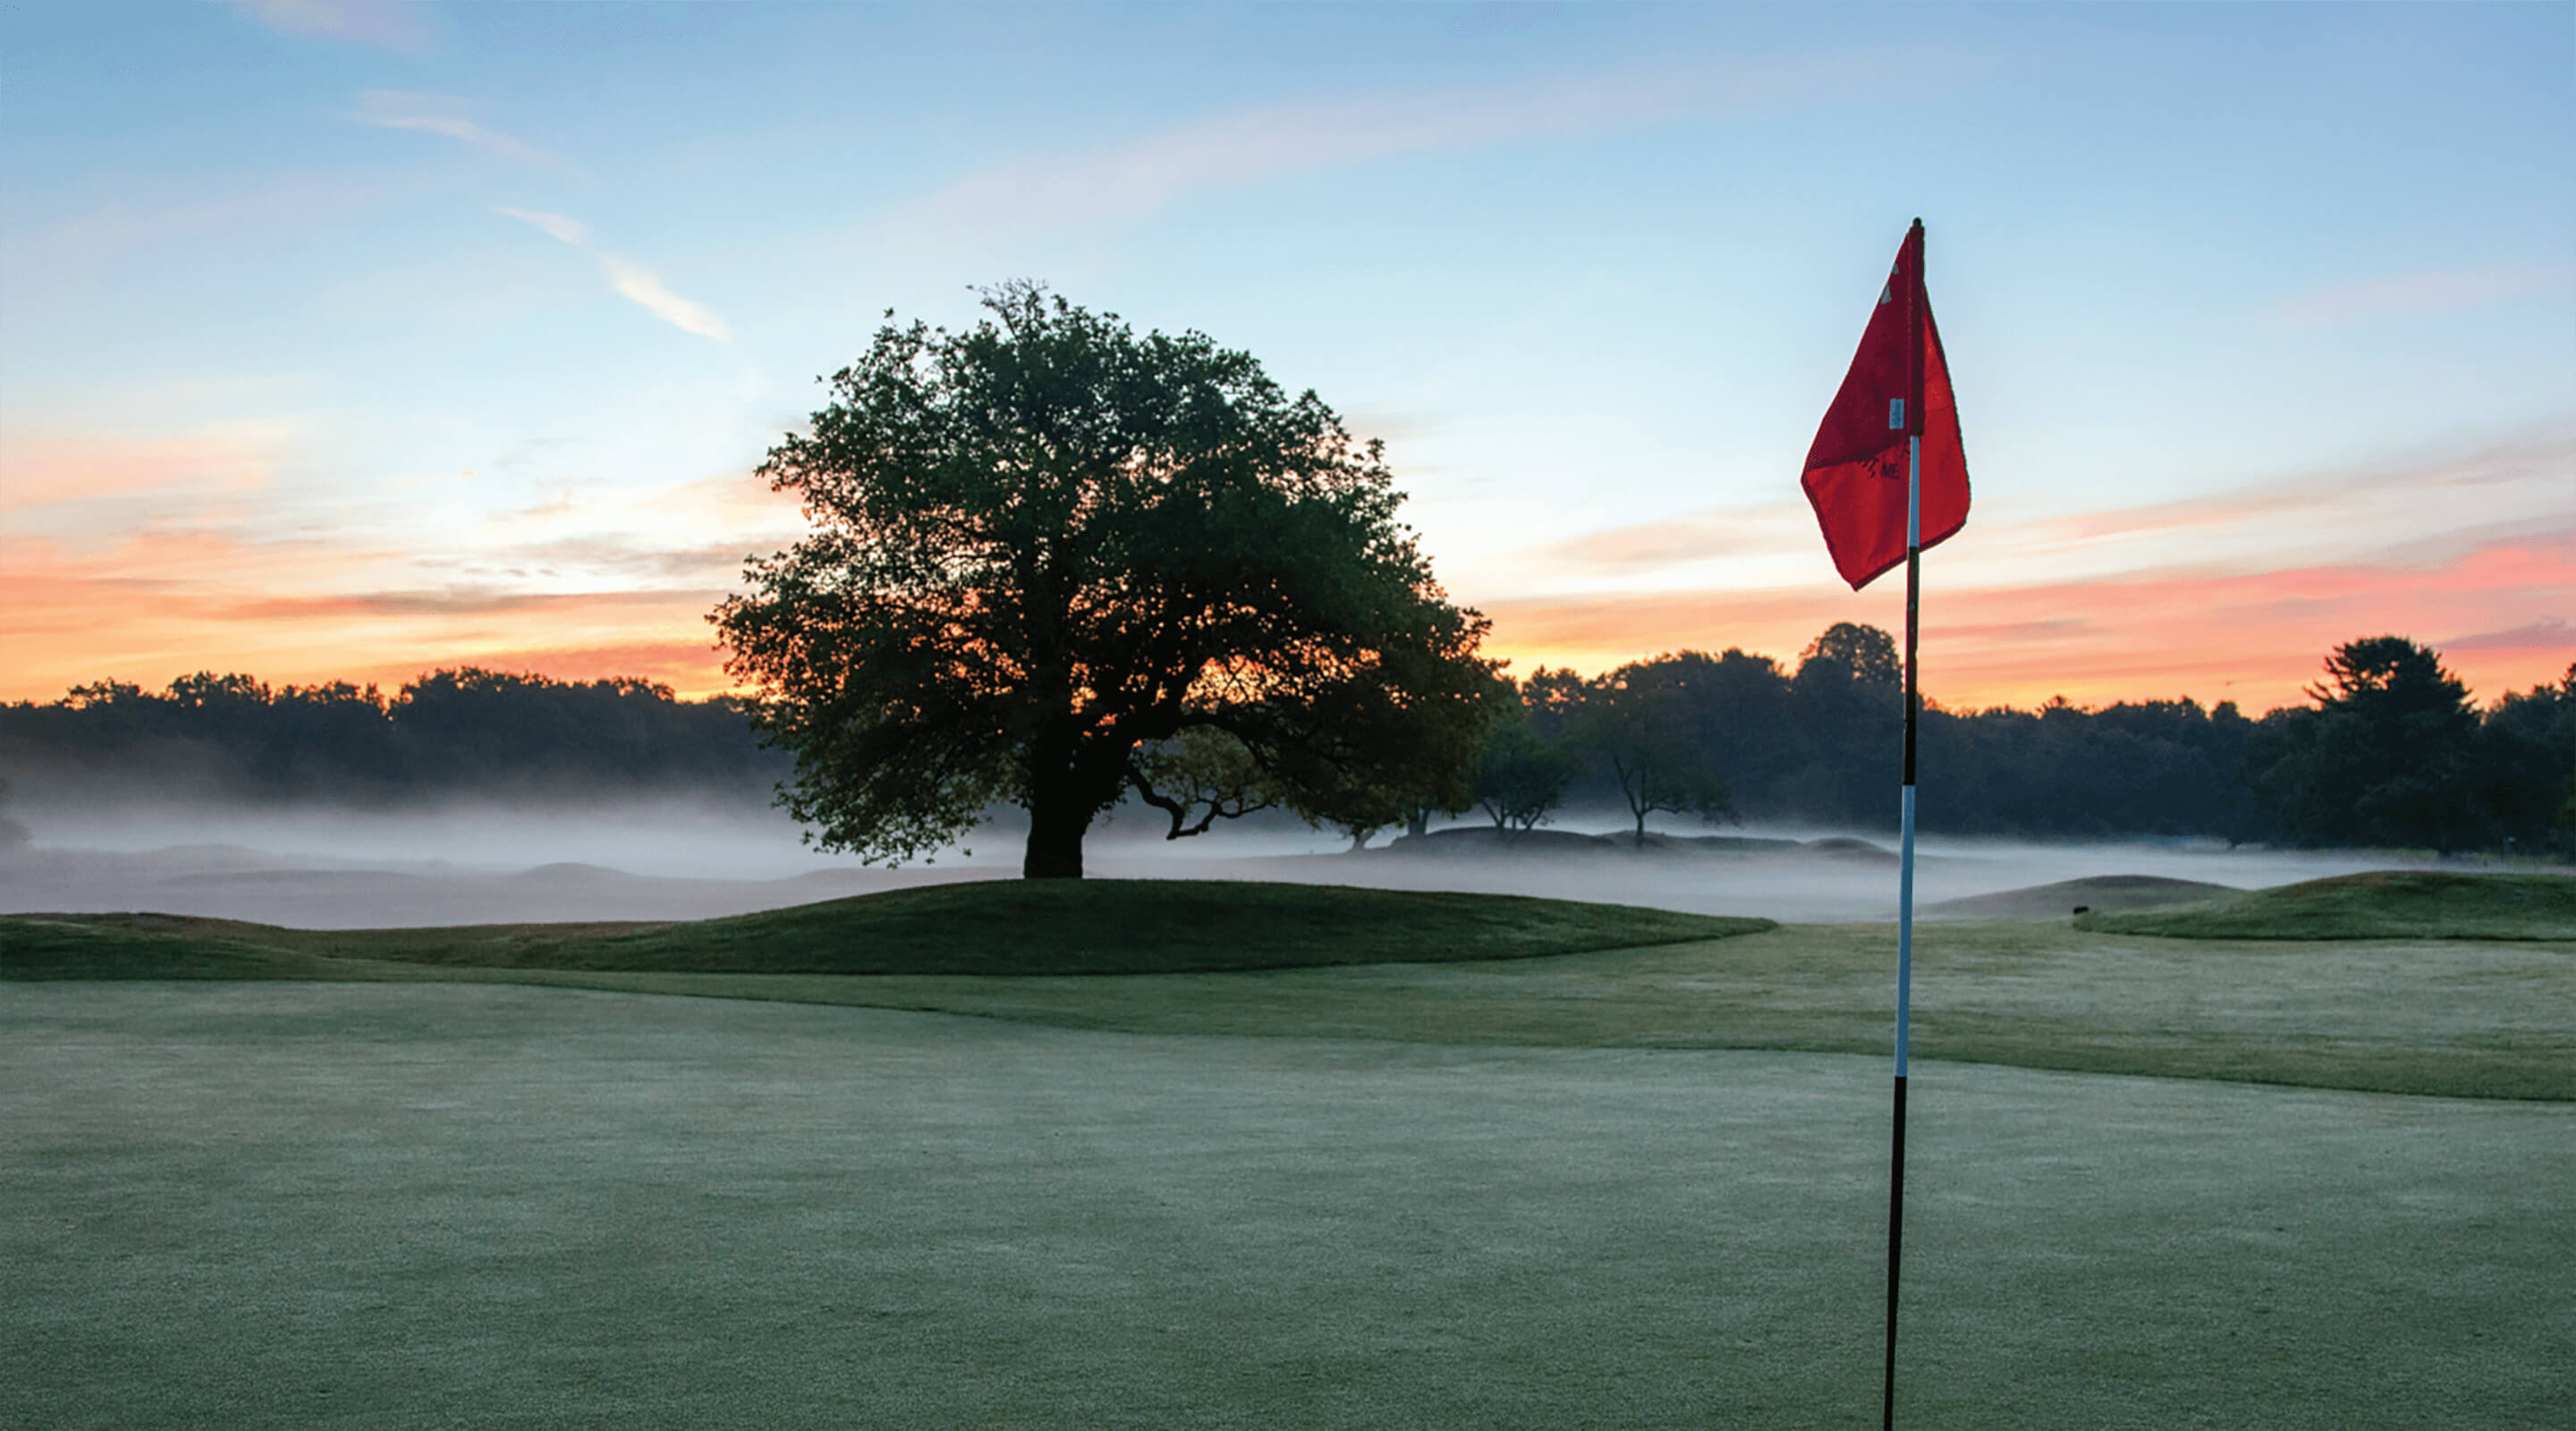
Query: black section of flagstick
x: 1895, y: 1241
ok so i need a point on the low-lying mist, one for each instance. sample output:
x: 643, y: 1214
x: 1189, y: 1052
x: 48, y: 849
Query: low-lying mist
x: 317, y: 866
x: 681, y: 858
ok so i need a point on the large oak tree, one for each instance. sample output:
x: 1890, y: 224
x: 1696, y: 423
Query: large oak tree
x: 1054, y: 561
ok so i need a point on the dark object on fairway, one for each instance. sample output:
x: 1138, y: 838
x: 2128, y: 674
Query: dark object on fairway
x: 2383, y: 904
x: 984, y: 927
x: 2092, y: 892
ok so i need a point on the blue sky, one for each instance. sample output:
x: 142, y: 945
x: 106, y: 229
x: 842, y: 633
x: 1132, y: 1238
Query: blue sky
x: 347, y: 339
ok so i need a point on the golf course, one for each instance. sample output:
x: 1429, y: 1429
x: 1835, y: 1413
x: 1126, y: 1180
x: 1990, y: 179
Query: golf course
x: 1152, y: 1153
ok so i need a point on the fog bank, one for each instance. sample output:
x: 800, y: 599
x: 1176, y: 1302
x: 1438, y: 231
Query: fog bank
x: 323, y: 867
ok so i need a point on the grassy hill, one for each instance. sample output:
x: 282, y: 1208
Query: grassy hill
x: 2383, y: 904
x: 2095, y: 892
x: 1015, y: 927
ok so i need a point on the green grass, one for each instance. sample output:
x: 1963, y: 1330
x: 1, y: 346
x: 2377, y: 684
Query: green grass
x: 2383, y: 904
x: 2458, y: 1018
x: 433, y: 1205
x: 258, y: 1176
x: 1014, y: 927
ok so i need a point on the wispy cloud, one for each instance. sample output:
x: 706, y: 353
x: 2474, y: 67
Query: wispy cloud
x: 571, y: 231
x: 2412, y: 509
x: 2415, y: 294
x: 161, y: 603
x: 59, y: 469
x: 429, y: 114
x: 1677, y: 541
x: 2255, y: 637
x: 1248, y: 145
x: 382, y: 24
x: 641, y: 286
x: 632, y: 280
x: 629, y: 558
x: 188, y: 210
x: 459, y: 601
x: 2550, y: 633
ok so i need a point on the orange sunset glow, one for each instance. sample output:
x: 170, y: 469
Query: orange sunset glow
x: 161, y: 606
x: 379, y: 375
x: 143, y: 561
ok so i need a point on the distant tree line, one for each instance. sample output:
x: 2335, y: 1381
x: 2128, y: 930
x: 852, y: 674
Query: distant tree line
x: 460, y: 731
x: 2388, y: 751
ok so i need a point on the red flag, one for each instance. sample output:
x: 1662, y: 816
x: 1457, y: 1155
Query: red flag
x: 1898, y: 387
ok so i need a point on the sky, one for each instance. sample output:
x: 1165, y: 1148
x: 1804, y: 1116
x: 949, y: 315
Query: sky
x: 343, y: 339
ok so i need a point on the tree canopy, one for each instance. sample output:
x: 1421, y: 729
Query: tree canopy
x: 1054, y: 561
x: 453, y: 732
x: 2392, y: 752
x: 1640, y: 722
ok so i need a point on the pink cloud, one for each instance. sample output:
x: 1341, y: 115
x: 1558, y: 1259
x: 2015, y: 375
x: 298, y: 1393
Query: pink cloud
x: 161, y: 603
x: 45, y: 469
x: 2551, y: 634
x: 2255, y: 638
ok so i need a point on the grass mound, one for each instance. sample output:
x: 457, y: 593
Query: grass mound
x: 2463, y: 1018
x: 996, y: 927
x: 2100, y: 892
x: 145, y: 946
x: 2383, y: 904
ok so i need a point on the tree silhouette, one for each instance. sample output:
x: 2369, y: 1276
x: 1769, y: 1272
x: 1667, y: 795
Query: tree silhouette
x: 1047, y: 547
x: 2386, y: 755
x: 1638, y: 721
x: 1521, y: 775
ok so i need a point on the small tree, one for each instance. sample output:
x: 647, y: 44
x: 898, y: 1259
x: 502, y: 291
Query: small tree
x: 1046, y: 549
x: 1640, y: 722
x: 1861, y: 653
x: 1521, y: 776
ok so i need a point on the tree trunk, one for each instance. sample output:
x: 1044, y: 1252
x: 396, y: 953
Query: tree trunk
x: 1056, y: 828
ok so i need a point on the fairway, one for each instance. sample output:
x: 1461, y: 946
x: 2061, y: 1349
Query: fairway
x: 429, y: 1204
x: 2395, y: 1014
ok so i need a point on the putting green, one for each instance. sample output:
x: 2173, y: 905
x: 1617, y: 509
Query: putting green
x: 393, y: 1205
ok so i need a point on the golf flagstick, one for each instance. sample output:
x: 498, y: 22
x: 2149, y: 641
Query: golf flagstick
x: 1895, y: 406
x: 1904, y: 913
